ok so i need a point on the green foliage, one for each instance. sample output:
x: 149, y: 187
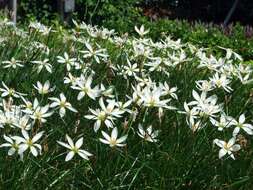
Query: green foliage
x: 43, y: 10
x: 117, y: 14
x: 124, y: 15
x: 235, y: 36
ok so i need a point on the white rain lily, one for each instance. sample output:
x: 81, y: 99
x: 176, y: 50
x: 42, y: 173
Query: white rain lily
x: 177, y: 59
x: 12, y: 144
x: 69, y: 62
x: 104, y: 115
x: 113, y: 140
x: 29, y: 143
x: 13, y: 63
x: 151, y: 98
x: 27, y: 106
x: 148, y: 134
x: 24, y: 123
x: 159, y: 64
x: 74, y: 149
x: 224, y: 122
x: 204, y: 85
x: 111, y: 108
x: 100, y: 117
x: 84, y: 86
x: 8, y: 118
x: 96, y: 54
x: 141, y: 31
x: 130, y: 69
x: 70, y: 79
x: 227, y: 147
x: 124, y: 106
x: 221, y: 81
x: 248, y: 128
x: 39, y: 113
x: 6, y: 91
x: 196, y: 125
x: 167, y: 90
x: 44, y: 30
x: 205, y: 105
x: 106, y: 92
x: 43, y: 64
x: 62, y: 104
x: 43, y: 88
x: 191, y: 114
x: 231, y: 54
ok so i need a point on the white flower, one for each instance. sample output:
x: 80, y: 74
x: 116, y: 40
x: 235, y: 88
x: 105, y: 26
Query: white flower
x: 75, y: 149
x: 39, y: 113
x: 148, y: 134
x: 248, y: 128
x: 130, y: 69
x: 224, y: 122
x: 124, y: 106
x: 190, y: 113
x: 204, y: 85
x: 178, y: 59
x: 111, y: 108
x: 96, y: 54
x: 205, y: 105
x: 106, y: 115
x: 227, y: 148
x: 196, y: 126
x: 44, y: 30
x: 62, y: 104
x: 159, y: 64
x: 231, y: 54
x: 100, y: 117
x: 8, y: 118
x: 67, y: 60
x: 23, y: 123
x: 106, y: 92
x: 70, y: 79
x: 113, y: 140
x: 211, y: 63
x: 84, y: 86
x: 29, y: 143
x: 141, y: 31
x: 43, y: 88
x: 43, y: 64
x: 13, y: 63
x: 141, y: 50
x: 6, y: 91
x: 28, y: 106
x: 221, y: 82
x: 151, y: 98
x: 169, y: 91
x: 14, y: 146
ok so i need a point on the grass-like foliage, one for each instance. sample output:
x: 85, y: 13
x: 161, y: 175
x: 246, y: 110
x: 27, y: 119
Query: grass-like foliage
x: 88, y: 109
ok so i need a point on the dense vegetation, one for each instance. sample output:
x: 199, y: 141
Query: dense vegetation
x: 183, y: 113
x: 124, y: 15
